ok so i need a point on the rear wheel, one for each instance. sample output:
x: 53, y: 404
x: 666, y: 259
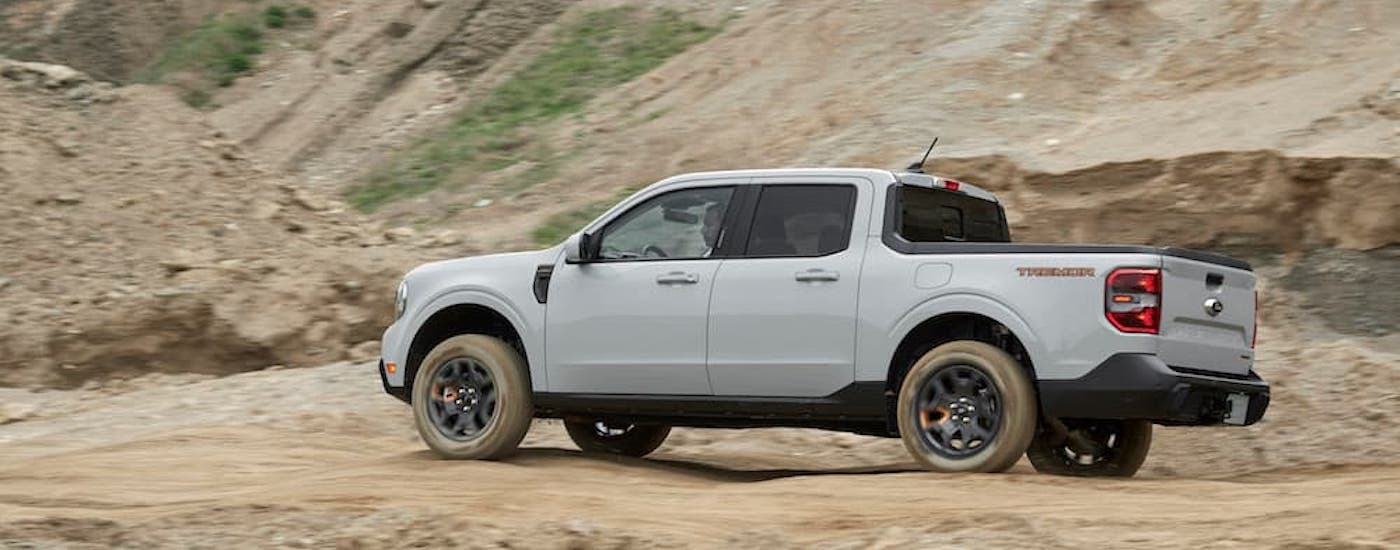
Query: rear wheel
x: 599, y: 436
x: 471, y: 398
x: 966, y: 407
x: 1092, y: 448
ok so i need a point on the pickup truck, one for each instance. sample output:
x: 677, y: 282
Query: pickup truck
x: 876, y: 302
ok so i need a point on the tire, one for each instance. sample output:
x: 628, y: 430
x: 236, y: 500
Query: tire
x: 507, y: 412
x: 966, y: 380
x: 592, y: 436
x: 1121, y: 446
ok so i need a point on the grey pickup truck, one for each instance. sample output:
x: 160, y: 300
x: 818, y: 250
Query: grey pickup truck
x: 869, y: 301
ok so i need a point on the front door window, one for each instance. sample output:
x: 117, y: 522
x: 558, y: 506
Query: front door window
x: 686, y: 224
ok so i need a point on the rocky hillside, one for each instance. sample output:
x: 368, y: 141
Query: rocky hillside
x: 183, y: 194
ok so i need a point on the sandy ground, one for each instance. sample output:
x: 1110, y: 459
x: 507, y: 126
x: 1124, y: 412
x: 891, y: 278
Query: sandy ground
x: 321, y: 458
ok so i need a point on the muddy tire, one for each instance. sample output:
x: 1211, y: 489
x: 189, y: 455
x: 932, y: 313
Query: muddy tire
x: 596, y: 436
x: 472, y: 398
x: 967, y: 406
x: 1105, y: 448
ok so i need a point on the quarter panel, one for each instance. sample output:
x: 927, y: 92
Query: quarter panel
x: 1059, y: 319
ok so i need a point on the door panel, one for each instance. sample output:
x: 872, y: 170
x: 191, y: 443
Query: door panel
x: 629, y: 327
x: 633, y: 322
x: 782, y: 318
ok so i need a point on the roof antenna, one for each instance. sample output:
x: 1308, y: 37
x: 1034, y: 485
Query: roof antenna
x: 918, y: 167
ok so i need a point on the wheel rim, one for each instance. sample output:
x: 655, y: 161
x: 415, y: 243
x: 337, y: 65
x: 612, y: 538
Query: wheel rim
x: 1091, y: 442
x: 463, y: 399
x: 958, y: 411
x: 604, y: 430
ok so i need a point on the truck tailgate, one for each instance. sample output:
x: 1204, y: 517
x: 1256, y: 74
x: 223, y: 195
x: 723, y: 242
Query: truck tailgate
x: 1207, y: 316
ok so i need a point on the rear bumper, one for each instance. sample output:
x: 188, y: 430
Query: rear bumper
x: 1141, y: 386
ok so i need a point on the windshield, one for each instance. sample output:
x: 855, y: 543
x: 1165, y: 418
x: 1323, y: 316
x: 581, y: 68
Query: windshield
x: 936, y: 215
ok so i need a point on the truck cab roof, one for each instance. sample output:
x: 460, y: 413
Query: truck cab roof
x: 876, y: 175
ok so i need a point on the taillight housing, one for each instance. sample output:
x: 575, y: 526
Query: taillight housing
x: 1133, y: 299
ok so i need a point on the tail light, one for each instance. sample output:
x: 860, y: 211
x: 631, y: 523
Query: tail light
x: 1133, y: 301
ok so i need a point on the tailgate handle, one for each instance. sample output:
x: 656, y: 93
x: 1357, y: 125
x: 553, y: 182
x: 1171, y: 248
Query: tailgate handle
x: 1214, y: 280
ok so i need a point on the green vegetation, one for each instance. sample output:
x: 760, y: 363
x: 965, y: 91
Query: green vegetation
x: 275, y: 17
x: 221, y: 49
x: 278, y: 16
x: 563, y: 224
x: 217, y: 53
x: 602, y: 49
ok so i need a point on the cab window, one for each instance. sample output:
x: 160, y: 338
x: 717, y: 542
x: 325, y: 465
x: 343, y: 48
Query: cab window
x: 684, y: 224
x: 801, y: 221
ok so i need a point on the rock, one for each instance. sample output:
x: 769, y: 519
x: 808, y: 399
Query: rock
x: 16, y: 412
x: 580, y: 527
x: 352, y: 288
x: 4, y: 282
x: 63, y: 199
x: 445, y: 237
x: 308, y: 201
x: 231, y: 153
x: 397, y: 29
x: 400, y: 234
x: 43, y: 74
x: 169, y: 292
x: 430, y: 4
x: 172, y: 267
x: 265, y: 210
x: 481, y: 203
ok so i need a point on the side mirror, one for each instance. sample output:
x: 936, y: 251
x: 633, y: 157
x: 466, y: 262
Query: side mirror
x: 578, y: 248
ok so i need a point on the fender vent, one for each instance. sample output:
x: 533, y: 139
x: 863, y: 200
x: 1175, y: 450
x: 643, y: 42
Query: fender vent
x: 542, y: 275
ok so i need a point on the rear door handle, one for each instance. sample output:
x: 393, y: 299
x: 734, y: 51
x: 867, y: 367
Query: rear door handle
x: 677, y: 278
x: 815, y: 275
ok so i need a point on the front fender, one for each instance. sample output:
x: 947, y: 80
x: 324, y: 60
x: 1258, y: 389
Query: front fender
x: 399, y: 338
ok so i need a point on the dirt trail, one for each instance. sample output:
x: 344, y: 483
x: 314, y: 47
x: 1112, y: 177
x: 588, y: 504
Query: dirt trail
x: 320, y: 458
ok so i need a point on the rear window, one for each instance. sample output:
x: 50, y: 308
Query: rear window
x: 933, y: 216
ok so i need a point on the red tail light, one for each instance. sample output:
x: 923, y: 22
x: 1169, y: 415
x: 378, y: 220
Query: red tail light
x: 1133, y: 300
x: 951, y: 185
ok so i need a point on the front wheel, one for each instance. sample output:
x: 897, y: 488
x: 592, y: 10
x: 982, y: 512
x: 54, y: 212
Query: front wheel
x: 966, y: 407
x: 599, y: 436
x: 471, y: 398
x: 1092, y: 448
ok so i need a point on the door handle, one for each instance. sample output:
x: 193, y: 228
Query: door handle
x: 815, y: 275
x: 677, y: 278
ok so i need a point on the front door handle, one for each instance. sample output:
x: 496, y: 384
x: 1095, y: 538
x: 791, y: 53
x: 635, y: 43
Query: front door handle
x: 815, y: 275
x: 677, y: 278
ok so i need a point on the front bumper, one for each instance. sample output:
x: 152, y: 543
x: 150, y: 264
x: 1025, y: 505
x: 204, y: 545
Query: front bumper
x: 400, y: 392
x: 1141, y: 386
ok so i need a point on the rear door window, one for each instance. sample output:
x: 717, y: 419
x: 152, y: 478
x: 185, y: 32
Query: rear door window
x: 801, y: 220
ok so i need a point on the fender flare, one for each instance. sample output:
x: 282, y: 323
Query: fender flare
x: 484, y: 297
x: 965, y: 301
